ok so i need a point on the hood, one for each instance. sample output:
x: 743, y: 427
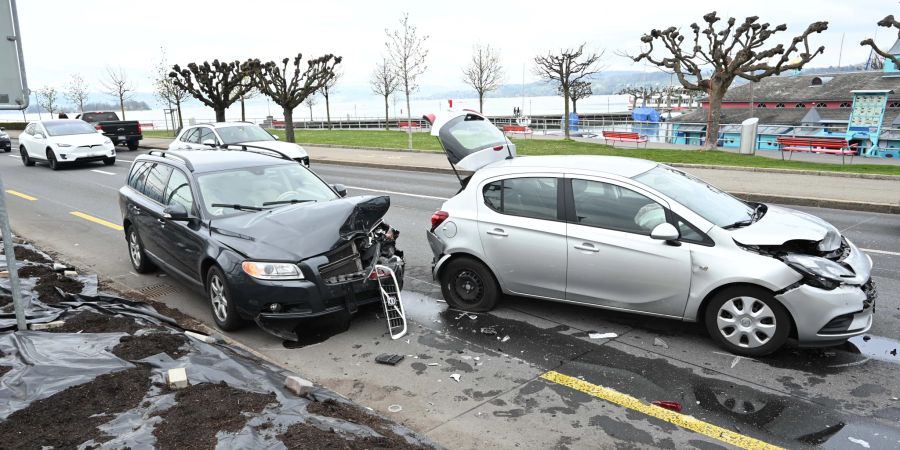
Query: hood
x: 77, y: 140
x: 780, y: 225
x: 298, y: 232
x: 293, y: 151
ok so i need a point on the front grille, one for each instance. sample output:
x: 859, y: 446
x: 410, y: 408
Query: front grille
x: 871, y: 294
x: 343, y: 264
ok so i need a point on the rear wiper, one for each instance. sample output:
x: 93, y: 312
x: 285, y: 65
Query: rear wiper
x: 237, y: 207
x: 739, y: 223
x: 284, y: 202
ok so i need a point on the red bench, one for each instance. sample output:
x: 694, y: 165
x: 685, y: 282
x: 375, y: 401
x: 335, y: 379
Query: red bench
x: 812, y: 144
x: 517, y: 129
x: 625, y: 136
x: 404, y: 125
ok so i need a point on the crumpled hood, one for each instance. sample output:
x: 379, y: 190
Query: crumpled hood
x: 780, y: 225
x: 297, y: 232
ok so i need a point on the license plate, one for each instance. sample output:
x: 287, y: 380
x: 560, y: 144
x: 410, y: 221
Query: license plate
x: 122, y: 138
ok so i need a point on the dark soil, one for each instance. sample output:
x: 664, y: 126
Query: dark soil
x: 306, y: 436
x: 70, y: 418
x: 47, y: 284
x: 133, y: 348
x: 34, y: 271
x: 90, y: 322
x: 5, y: 299
x: 24, y: 254
x: 203, y: 410
x: 184, y: 321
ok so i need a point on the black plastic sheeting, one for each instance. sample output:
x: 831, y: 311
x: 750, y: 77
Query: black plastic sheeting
x: 43, y: 364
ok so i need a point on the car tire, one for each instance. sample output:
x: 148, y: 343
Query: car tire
x: 469, y: 285
x: 51, y: 160
x: 133, y: 145
x: 26, y: 160
x: 221, y: 302
x: 747, y: 320
x: 109, y: 161
x: 136, y: 254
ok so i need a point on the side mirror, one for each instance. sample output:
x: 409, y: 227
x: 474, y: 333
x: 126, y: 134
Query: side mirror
x: 275, y: 137
x: 39, y: 136
x: 176, y: 212
x: 209, y: 142
x: 665, y: 232
x: 340, y: 189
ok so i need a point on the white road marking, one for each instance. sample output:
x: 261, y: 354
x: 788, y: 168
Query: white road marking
x: 103, y: 172
x: 397, y: 193
x: 124, y: 160
x: 880, y: 252
x: 14, y: 156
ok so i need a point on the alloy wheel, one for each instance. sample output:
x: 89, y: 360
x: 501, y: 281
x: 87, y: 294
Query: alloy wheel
x: 746, y: 322
x: 134, y: 249
x: 218, y: 298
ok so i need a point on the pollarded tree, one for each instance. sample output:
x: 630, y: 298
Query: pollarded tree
x: 77, y: 91
x: 887, y: 22
x: 288, y: 86
x: 580, y: 90
x: 712, y: 58
x: 565, y: 69
x: 217, y: 85
x: 407, y: 52
x: 384, y: 82
x: 484, y: 72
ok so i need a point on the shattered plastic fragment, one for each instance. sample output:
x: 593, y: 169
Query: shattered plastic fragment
x: 505, y: 338
x: 660, y: 343
x: 488, y: 331
x: 455, y: 377
x: 861, y: 442
x: 395, y: 408
x: 602, y: 335
x: 672, y: 406
x: 432, y: 364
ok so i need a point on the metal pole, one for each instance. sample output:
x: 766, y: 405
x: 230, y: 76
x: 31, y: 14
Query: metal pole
x: 11, y: 267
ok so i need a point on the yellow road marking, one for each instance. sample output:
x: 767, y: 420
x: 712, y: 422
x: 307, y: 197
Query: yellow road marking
x: 681, y: 420
x: 20, y: 195
x: 97, y: 220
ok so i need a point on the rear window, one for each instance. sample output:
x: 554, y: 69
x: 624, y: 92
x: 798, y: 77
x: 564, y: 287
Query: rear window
x: 99, y: 117
x: 468, y: 134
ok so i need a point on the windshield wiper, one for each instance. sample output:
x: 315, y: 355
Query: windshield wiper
x: 739, y: 224
x: 236, y: 206
x: 284, y: 202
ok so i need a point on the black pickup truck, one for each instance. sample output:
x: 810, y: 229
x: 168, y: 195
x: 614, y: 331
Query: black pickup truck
x: 121, y: 132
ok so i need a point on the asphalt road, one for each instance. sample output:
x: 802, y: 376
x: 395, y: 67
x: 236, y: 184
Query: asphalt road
x: 549, y: 384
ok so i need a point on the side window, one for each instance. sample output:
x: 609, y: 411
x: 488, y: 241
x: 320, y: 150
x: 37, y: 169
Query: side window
x: 190, y: 136
x: 29, y: 129
x: 206, y: 135
x: 613, y: 207
x: 178, y: 191
x: 525, y: 197
x: 691, y: 234
x: 156, y: 182
x: 137, y: 170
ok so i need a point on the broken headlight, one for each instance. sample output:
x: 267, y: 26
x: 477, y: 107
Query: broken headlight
x: 272, y: 270
x: 818, y: 272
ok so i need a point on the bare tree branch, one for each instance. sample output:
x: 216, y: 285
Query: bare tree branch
x: 217, y: 85
x: 407, y: 53
x: 484, y: 72
x: 327, y: 90
x: 166, y: 90
x: 566, y: 68
x: 578, y: 91
x: 887, y: 22
x: 117, y: 85
x: 384, y: 82
x: 47, y: 99
x: 77, y: 91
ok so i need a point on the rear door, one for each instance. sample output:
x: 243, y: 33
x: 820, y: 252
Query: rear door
x: 471, y: 141
x: 523, y: 237
x: 148, y: 208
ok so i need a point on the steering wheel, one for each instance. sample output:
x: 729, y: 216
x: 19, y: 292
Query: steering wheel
x: 287, y: 195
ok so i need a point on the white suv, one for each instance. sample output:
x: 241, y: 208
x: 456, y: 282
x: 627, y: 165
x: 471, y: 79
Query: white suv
x: 234, y: 134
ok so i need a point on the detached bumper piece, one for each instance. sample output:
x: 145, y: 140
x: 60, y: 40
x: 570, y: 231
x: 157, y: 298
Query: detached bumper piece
x: 390, y: 299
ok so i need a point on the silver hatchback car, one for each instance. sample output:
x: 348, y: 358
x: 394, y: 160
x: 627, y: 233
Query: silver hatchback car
x: 638, y: 236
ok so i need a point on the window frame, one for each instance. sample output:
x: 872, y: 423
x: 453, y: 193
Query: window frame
x: 560, y: 195
x: 143, y: 190
x: 572, y: 216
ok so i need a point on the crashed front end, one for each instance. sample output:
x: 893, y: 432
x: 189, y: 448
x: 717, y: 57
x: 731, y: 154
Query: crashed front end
x: 835, y: 298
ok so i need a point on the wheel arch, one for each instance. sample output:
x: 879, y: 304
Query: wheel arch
x: 457, y: 255
x: 701, y: 311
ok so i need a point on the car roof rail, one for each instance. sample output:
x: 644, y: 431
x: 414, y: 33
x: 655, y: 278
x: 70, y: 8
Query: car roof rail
x: 163, y: 154
x: 256, y: 149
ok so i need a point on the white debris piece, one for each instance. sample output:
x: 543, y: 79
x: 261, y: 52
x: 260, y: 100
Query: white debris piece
x: 177, y: 378
x: 70, y: 273
x: 602, y: 335
x: 432, y: 364
x: 455, y: 377
x: 660, y: 343
x: 47, y: 325
x: 299, y: 386
x: 57, y: 267
x: 505, y: 338
x: 201, y: 337
x: 861, y: 442
x: 395, y: 408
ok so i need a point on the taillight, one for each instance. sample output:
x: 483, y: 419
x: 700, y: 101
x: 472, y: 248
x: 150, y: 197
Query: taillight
x: 98, y: 127
x: 438, y: 218
x: 498, y: 148
x: 140, y: 131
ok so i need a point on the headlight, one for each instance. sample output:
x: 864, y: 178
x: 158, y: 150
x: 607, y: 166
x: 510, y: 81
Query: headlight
x: 63, y: 145
x: 272, y: 270
x: 819, y: 272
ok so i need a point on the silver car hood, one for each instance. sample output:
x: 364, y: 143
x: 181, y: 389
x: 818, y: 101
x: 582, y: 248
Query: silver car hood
x: 780, y: 225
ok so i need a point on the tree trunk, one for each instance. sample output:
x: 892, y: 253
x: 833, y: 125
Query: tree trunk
x: 715, y: 115
x: 481, y: 102
x: 387, y: 114
x: 327, y: 108
x: 574, y: 105
x: 408, y: 120
x: 243, y: 111
x: 566, y: 113
x: 180, y: 119
x: 220, y: 114
x: 310, y: 114
x: 122, y: 106
x: 288, y: 125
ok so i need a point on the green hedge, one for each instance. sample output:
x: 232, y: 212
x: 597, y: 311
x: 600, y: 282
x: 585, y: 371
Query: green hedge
x: 13, y: 125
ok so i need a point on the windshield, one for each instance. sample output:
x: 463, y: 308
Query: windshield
x: 707, y: 201
x: 68, y: 127
x: 100, y: 117
x: 260, y: 187
x: 243, y: 133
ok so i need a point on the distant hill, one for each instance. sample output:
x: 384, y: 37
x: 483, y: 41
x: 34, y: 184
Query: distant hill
x: 130, y: 105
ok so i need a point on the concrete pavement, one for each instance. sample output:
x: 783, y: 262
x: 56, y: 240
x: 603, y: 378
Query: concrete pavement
x: 862, y: 192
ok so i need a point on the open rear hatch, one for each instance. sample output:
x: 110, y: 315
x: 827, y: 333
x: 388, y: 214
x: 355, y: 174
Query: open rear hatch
x: 470, y: 140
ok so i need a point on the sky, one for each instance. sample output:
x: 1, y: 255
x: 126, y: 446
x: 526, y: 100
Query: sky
x: 85, y: 36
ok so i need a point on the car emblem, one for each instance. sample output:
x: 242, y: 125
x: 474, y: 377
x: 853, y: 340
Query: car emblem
x: 120, y: 129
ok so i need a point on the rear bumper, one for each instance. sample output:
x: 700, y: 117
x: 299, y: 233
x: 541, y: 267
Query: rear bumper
x: 438, y: 249
x: 830, y: 317
x: 118, y: 138
x: 5, y: 144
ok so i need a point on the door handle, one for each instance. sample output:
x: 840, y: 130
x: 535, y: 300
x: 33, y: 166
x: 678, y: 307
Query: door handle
x: 161, y: 221
x: 497, y: 232
x: 135, y: 210
x: 587, y: 247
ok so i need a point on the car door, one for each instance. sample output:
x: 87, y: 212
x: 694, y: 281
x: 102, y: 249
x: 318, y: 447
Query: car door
x: 522, y: 234
x: 148, y: 209
x: 184, y: 243
x: 26, y: 137
x: 612, y: 260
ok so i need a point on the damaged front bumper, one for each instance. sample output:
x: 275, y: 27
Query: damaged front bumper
x: 824, y: 317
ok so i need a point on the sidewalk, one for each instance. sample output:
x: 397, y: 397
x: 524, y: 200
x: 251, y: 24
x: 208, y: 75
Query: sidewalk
x: 879, y: 193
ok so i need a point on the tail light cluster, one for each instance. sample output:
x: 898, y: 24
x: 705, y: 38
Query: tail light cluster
x: 98, y: 127
x: 438, y: 218
x: 140, y: 131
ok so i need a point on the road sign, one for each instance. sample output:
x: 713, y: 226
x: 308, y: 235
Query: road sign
x: 14, y: 92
